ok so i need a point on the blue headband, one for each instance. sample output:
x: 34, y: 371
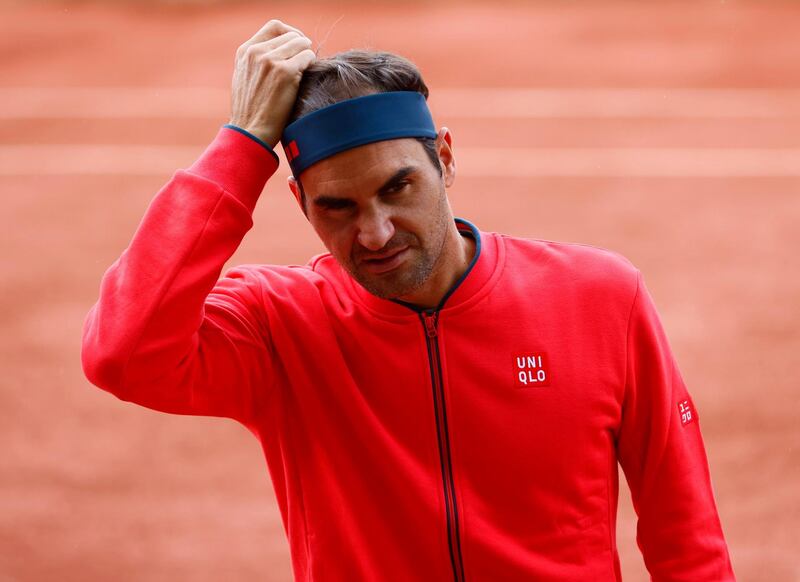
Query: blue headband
x: 355, y: 122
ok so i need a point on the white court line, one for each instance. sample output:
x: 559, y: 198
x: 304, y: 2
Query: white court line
x: 102, y: 160
x: 124, y: 160
x: 631, y: 162
x: 616, y: 103
x: 478, y: 103
x: 114, y: 103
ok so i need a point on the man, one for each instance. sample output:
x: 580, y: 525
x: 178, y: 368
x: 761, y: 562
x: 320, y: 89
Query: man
x: 434, y: 402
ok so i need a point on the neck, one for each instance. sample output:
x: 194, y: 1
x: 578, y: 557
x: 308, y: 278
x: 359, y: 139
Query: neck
x: 455, y: 259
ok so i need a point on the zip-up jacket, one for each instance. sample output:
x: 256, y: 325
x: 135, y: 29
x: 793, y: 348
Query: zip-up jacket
x: 477, y: 441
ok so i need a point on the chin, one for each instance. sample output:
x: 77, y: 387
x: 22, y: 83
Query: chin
x: 394, y: 286
x: 383, y: 289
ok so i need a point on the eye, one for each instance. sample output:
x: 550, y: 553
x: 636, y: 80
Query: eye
x: 339, y: 205
x: 335, y: 205
x: 398, y: 187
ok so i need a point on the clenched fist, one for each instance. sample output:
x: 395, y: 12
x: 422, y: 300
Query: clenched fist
x: 266, y: 76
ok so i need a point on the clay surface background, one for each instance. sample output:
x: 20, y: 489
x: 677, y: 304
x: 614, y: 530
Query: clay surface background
x: 669, y: 132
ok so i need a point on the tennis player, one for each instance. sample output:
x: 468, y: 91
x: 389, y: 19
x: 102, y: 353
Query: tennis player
x: 435, y: 402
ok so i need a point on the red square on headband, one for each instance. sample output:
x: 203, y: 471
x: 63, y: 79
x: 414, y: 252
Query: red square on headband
x: 288, y: 151
x: 531, y: 370
x: 293, y: 149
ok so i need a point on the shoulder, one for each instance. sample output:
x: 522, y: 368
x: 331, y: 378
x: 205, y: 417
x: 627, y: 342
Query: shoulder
x: 572, y: 265
x: 570, y: 254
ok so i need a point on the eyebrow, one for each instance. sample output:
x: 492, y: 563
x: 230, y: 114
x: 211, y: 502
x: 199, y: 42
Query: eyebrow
x: 332, y: 202
x: 337, y: 202
x: 396, y: 177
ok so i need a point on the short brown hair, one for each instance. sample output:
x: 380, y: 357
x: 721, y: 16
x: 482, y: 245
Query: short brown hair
x: 355, y: 73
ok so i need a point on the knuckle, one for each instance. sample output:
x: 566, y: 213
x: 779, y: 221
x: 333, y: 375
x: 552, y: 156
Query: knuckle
x: 264, y: 57
x: 286, y: 70
x: 281, y: 67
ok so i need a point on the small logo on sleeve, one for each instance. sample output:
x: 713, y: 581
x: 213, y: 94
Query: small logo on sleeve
x: 686, y: 413
x: 531, y: 370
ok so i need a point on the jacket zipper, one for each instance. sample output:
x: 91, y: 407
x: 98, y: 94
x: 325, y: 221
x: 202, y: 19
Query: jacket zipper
x: 430, y: 320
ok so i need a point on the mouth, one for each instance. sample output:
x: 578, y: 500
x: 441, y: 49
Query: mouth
x: 386, y: 262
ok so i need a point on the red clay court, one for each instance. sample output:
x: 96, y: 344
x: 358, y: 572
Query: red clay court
x: 669, y: 132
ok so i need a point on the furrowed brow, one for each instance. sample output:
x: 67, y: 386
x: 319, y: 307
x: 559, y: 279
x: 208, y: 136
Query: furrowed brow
x: 332, y: 202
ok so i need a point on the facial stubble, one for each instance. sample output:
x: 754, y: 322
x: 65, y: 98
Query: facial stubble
x: 416, y: 271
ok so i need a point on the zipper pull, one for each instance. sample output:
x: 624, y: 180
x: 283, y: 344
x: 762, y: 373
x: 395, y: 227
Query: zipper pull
x: 430, y: 323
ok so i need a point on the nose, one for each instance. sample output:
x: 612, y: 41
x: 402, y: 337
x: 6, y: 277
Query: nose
x: 375, y: 229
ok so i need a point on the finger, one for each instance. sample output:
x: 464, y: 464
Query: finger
x: 272, y: 29
x: 303, y: 59
x: 289, y: 49
x: 266, y: 46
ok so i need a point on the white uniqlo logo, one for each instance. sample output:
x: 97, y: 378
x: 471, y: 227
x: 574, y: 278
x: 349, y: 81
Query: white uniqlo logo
x: 686, y: 412
x: 531, y: 370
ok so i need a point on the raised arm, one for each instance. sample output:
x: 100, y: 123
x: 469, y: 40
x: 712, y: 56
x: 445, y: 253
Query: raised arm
x: 165, y: 332
x: 661, y: 451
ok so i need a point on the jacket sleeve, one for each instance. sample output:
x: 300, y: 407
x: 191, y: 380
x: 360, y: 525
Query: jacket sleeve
x: 661, y: 451
x: 166, y: 332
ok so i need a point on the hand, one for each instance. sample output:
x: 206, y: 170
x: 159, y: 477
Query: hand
x: 267, y: 73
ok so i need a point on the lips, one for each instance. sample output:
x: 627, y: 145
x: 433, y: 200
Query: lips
x: 385, y: 262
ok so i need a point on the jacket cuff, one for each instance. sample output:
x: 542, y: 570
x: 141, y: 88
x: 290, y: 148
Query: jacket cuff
x: 238, y: 164
x: 254, y: 138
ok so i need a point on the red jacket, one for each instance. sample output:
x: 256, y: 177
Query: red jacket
x: 476, y: 443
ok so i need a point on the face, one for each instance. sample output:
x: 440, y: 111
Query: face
x: 381, y: 210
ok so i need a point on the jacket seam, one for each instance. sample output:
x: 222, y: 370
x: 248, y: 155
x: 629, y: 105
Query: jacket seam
x: 627, y: 343
x: 622, y: 407
x: 610, y: 517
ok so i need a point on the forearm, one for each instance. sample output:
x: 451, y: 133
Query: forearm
x: 151, y: 304
x: 661, y: 450
x: 679, y: 531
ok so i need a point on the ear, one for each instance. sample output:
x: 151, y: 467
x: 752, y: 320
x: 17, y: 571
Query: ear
x: 444, y: 147
x: 298, y: 196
